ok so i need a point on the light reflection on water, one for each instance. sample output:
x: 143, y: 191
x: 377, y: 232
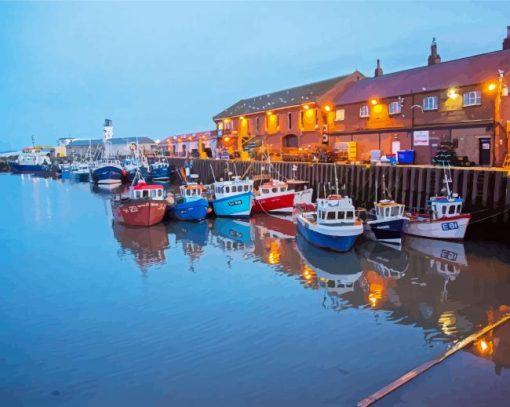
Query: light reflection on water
x: 222, y: 312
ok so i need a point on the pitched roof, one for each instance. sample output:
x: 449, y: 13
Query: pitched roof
x: 460, y: 72
x: 287, y: 97
x: 117, y: 140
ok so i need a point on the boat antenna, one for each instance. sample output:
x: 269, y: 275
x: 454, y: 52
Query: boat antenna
x: 212, y: 171
x: 318, y: 190
x: 376, y: 188
x: 336, y: 179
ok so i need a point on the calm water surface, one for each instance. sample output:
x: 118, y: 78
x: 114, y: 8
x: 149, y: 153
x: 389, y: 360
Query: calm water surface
x: 221, y: 312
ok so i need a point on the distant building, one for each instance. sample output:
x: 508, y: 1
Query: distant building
x: 121, y: 146
x: 182, y: 145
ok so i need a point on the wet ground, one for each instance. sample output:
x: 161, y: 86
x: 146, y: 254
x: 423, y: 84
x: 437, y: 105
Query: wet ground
x: 225, y: 312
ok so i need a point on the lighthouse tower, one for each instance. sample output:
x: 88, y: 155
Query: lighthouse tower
x: 108, y: 130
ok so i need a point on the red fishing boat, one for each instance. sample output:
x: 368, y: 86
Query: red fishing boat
x: 273, y: 196
x: 144, y: 206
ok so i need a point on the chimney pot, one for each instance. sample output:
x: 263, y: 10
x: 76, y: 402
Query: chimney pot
x: 506, y: 41
x: 378, y: 70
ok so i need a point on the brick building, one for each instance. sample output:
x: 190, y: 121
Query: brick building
x: 287, y: 119
x: 455, y: 101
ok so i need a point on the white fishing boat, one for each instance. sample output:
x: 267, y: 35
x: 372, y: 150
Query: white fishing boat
x: 444, y: 219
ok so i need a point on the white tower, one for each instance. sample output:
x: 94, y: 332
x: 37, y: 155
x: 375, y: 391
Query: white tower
x: 108, y: 130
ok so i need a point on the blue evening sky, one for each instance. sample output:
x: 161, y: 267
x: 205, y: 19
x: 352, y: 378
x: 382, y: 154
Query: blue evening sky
x: 164, y: 68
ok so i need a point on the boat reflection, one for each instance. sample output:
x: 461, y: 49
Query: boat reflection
x: 146, y: 244
x: 193, y: 237
x: 336, y: 273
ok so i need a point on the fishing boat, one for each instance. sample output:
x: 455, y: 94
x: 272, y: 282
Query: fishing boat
x: 191, y: 204
x: 31, y: 160
x: 108, y: 171
x: 273, y: 197
x: 444, y: 219
x: 233, y: 198
x: 302, y: 194
x: 144, y: 206
x: 80, y: 172
x: 159, y: 170
x: 133, y: 166
x: 333, y: 225
x: 385, y: 222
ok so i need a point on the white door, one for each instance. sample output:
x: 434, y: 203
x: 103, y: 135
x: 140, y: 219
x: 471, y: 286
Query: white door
x: 395, y: 147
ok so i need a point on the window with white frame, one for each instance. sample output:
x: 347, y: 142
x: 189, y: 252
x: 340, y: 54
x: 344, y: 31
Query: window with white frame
x: 472, y: 98
x: 430, y: 103
x: 394, y: 108
x: 364, y: 111
x: 339, y: 115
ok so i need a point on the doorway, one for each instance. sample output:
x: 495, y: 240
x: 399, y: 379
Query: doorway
x: 485, y: 151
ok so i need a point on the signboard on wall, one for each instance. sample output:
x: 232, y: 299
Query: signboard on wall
x: 421, y: 138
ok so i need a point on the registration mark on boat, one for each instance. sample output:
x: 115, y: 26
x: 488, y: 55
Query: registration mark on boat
x: 449, y: 226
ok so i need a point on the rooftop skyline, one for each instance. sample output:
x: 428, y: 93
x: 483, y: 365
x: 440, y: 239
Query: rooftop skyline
x: 158, y: 69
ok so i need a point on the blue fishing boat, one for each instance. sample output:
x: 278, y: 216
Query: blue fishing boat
x: 190, y: 205
x: 80, y: 172
x: 386, y: 222
x: 233, y: 198
x: 159, y: 170
x: 30, y: 161
x: 134, y: 166
x: 108, y: 172
x: 332, y: 225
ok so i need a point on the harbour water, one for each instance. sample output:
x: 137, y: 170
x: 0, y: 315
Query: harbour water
x: 221, y: 312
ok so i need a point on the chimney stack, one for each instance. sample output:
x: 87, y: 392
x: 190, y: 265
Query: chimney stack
x: 506, y: 41
x: 434, y: 57
x: 378, y: 70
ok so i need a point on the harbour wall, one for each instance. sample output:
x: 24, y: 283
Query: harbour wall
x: 486, y: 191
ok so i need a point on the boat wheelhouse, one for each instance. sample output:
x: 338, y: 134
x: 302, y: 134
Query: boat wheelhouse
x: 385, y: 222
x: 333, y: 225
x: 30, y: 161
x: 233, y: 198
x: 159, y: 170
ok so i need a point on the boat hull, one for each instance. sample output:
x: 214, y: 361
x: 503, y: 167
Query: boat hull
x: 283, y: 203
x: 303, y: 197
x: 81, y: 176
x: 108, y: 175
x: 387, y: 231
x: 27, y: 169
x: 234, y: 206
x: 453, y: 228
x: 194, y: 211
x: 341, y: 241
x: 160, y: 174
x: 139, y: 212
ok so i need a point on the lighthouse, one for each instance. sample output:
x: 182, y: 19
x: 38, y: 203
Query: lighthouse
x: 107, y: 130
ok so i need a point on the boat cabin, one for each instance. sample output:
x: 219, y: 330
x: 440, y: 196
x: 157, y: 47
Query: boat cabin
x: 386, y: 209
x: 443, y: 207
x: 273, y: 187
x: 192, y: 191
x: 145, y: 191
x: 236, y: 186
x: 335, y: 210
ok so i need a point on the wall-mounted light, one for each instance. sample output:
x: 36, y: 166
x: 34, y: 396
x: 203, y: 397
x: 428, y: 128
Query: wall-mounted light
x: 452, y: 93
x: 374, y: 101
x: 306, y: 107
x: 327, y: 108
x: 491, y: 87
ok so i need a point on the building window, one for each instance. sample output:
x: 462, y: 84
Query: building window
x: 430, y: 103
x: 472, y: 98
x: 291, y: 140
x: 364, y: 111
x: 257, y: 123
x: 289, y: 120
x: 339, y: 115
x: 395, y: 108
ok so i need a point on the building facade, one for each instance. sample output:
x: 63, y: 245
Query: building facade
x: 118, y: 147
x: 461, y: 101
x: 283, y: 121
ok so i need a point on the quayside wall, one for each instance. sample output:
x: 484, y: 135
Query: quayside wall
x: 486, y: 191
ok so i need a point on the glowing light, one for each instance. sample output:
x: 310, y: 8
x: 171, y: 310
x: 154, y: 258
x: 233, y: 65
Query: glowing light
x: 241, y: 117
x: 227, y: 139
x: 274, y: 252
x: 327, y: 108
x: 306, y: 107
x: 483, y: 345
x: 374, y: 101
x: 452, y: 93
x: 378, y: 108
x: 491, y: 87
x: 269, y: 113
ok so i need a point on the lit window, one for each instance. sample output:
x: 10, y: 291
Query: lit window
x: 339, y: 115
x: 472, y: 98
x: 364, y: 111
x: 430, y: 103
x: 394, y: 108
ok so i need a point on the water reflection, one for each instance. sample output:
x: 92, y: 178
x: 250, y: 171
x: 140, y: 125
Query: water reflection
x: 425, y: 283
